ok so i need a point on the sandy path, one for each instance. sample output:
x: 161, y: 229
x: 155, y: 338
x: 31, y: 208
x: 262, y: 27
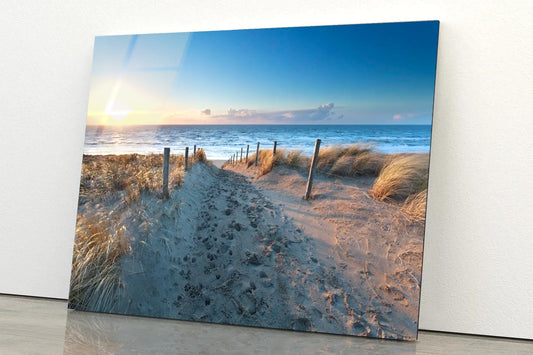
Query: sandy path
x: 374, y: 249
x: 219, y: 251
x: 227, y: 249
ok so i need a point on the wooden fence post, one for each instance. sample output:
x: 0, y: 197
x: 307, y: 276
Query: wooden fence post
x: 166, y: 159
x: 312, y: 170
x: 241, y: 155
x: 257, y: 154
x: 194, y: 150
x: 186, y: 158
x: 274, y: 150
x: 247, y: 149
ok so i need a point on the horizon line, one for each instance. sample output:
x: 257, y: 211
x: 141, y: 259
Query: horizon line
x: 261, y: 124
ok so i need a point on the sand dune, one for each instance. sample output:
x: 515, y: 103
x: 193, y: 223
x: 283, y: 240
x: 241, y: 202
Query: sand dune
x: 226, y: 248
x: 229, y: 248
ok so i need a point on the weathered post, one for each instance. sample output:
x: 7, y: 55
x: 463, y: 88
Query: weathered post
x: 312, y: 170
x: 166, y: 159
x: 247, y: 149
x: 186, y: 158
x: 257, y: 154
x: 194, y: 150
x: 241, y: 155
x: 274, y: 150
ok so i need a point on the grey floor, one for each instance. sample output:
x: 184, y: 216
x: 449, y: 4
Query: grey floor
x: 42, y: 326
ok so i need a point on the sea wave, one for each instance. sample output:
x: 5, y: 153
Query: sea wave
x: 220, y: 142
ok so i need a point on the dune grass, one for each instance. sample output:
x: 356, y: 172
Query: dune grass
x: 200, y: 156
x: 294, y: 159
x: 110, y: 186
x: 368, y: 163
x: 355, y: 160
x: 402, y: 176
x: 327, y: 157
x: 398, y: 176
x: 99, y: 243
x: 267, y: 161
x: 103, y: 176
x: 415, y: 206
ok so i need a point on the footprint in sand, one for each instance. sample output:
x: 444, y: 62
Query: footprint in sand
x: 303, y: 324
x: 223, y: 248
x: 246, y: 302
x: 252, y: 259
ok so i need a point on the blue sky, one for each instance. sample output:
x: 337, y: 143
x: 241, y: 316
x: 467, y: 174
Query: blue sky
x: 350, y: 74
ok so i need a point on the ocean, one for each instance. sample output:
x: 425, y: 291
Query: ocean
x: 221, y: 141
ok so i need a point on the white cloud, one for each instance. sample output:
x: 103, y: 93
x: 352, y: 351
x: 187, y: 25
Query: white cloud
x: 240, y: 113
x: 400, y: 116
x: 322, y: 113
x: 206, y: 112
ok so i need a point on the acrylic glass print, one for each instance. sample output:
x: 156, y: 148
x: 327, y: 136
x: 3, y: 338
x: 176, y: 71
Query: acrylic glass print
x: 292, y: 195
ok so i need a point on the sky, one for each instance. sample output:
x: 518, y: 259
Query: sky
x: 349, y: 74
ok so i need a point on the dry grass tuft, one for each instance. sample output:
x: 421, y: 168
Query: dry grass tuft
x: 415, y: 206
x: 343, y: 166
x: 327, y: 158
x: 102, y: 176
x: 294, y: 159
x: 367, y: 163
x: 404, y: 175
x: 100, y: 242
x: 266, y: 161
x: 200, y: 156
x: 355, y: 160
x: 358, y: 148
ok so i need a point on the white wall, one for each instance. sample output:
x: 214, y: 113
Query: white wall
x: 478, y: 271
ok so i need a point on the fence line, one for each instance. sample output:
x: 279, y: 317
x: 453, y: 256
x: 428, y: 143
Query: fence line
x: 166, y: 159
x: 312, y: 170
x: 235, y: 158
x: 257, y: 154
x: 186, y: 158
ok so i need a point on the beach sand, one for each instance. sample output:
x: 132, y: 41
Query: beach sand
x: 227, y: 247
x: 368, y: 244
x: 218, y: 163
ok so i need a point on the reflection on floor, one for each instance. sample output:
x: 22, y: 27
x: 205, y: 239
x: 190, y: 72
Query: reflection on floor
x: 43, y: 326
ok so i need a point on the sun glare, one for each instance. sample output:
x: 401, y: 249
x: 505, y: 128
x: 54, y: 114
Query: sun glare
x: 117, y: 115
